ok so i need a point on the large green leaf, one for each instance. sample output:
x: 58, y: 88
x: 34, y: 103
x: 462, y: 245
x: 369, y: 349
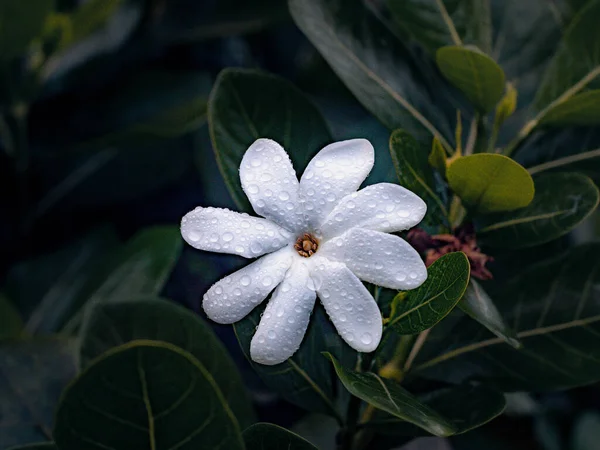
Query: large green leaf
x: 305, y: 378
x: 246, y: 105
x: 11, y: 324
x: 415, y: 174
x: 20, y: 23
x: 466, y: 407
x: 266, y: 436
x: 422, y: 308
x: 145, y: 394
x: 478, y: 304
x: 390, y: 397
x: 562, y: 200
x: 373, y: 64
x: 477, y: 75
x: 108, y: 325
x: 490, y: 182
x: 581, y: 109
x: 555, y: 309
x: 33, y: 374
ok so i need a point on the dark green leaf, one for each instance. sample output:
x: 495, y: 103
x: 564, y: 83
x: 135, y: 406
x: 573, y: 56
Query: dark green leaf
x: 562, y: 200
x: 581, y: 109
x: 40, y: 446
x: 11, y: 324
x: 413, y: 170
x: 266, y: 436
x: 108, y: 325
x: 373, y: 64
x: 20, y: 23
x: 33, y: 373
x: 305, y: 378
x: 554, y: 307
x: 478, y: 304
x: 145, y: 394
x: 390, y: 397
x: 477, y: 75
x: 465, y: 406
x: 422, y: 308
x: 490, y: 182
x: 246, y: 105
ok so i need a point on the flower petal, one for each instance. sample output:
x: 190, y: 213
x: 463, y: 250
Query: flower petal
x: 349, y: 305
x: 336, y: 171
x: 270, y: 182
x: 285, y: 319
x: 224, y: 231
x: 381, y: 207
x: 379, y: 258
x: 233, y: 297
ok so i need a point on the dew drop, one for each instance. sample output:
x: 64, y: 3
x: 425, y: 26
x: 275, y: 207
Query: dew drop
x: 283, y: 195
x: 253, y: 189
x: 267, y: 281
x: 271, y: 334
x: 227, y: 237
x: 194, y: 237
x: 218, y: 290
x: 256, y: 247
x: 366, y: 338
x: 245, y: 280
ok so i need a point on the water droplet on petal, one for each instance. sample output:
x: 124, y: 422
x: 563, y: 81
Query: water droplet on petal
x: 227, y: 237
x: 245, y: 280
x: 366, y: 338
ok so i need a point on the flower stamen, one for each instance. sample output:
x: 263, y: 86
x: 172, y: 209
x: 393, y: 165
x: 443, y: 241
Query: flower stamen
x: 306, y: 245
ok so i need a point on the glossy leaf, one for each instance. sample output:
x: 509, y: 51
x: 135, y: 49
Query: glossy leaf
x: 373, y: 64
x: 246, y: 105
x: 553, y: 307
x: 267, y: 436
x: 412, y: 167
x: 20, y: 23
x: 478, y: 304
x: 466, y: 407
x: 422, y: 308
x: 40, y: 446
x: 477, y: 75
x: 490, y: 182
x: 145, y: 394
x: 34, y: 373
x: 581, y: 109
x: 109, y: 325
x: 561, y: 201
x: 392, y: 398
x: 304, y: 379
x: 11, y: 324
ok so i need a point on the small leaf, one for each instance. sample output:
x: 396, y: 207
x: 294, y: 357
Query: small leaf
x: 11, y: 324
x: 246, y: 105
x: 490, y: 182
x: 477, y: 75
x: 507, y: 105
x: 478, y: 304
x: 108, y: 325
x: 414, y: 173
x: 580, y: 110
x: 20, y: 23
x: 422, y: 308
x: 267, y: 436
x: 437, y: 157
x: 390, y: 397
x: 145, y: 394
x: 562, y: 200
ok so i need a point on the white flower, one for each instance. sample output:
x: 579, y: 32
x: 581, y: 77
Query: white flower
x: 320, y: 237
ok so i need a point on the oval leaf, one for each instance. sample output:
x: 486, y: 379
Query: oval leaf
x: 477, y: 75
x: 245, y: 105
x: 422, y: 308
x: 580, y: 110
x: 145, y: 395
x: 562, y: 200
x: 390, y: 397
x: 266, y: 436
x: 108, y: 325
x: 490, y: 182
x: 478, y: 304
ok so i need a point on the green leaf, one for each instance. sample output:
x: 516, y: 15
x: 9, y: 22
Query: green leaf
x: 11, y: 324
x: 390, y: 397
x: 373, y: 64
x: 561, y: 201
x: 477, y: 75
x: 466, y: 407
x: 40, y: 446
x: 579, y: 110
x: 305, y: 378
x: 246, y: 105
x: 145, y: 394
x: 266, y: 436
x: 490, y: 182
x: 437, y: 158
x: 422, y: 308
x: 553, y: 307
x: 33, y: 373
x: 20, y: 23
x: 415, y: 174
x: 108, y: 325
x: 478, y: 304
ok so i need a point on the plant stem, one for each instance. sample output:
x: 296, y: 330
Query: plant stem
x: 416, y: 349
x: 472, y: 135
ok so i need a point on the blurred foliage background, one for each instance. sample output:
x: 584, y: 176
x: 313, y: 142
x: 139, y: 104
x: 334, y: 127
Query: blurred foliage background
x: 105, y: 146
